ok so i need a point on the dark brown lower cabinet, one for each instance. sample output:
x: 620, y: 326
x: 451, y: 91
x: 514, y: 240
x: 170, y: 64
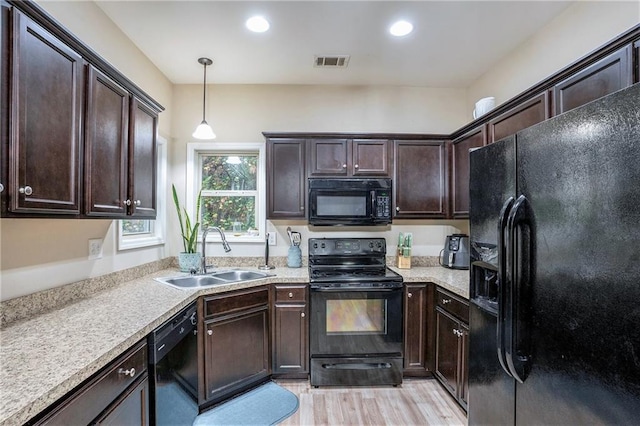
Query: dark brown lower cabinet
x: 290, y: 332
x: 235, y: 343
x: 452, y: 349
x: 418, y: 329
x: 117, y: 394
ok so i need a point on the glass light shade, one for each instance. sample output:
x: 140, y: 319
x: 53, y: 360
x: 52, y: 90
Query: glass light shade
x: 204, y: 131
x: 257, y: 24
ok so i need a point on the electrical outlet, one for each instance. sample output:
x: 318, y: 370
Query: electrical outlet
x: 95, y: 248
x: 272, y: 238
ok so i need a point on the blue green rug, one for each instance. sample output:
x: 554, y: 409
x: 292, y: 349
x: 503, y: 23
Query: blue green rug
x: 267, y: 404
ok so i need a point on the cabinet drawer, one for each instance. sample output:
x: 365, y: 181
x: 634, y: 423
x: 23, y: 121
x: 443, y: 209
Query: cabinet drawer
x: 87, y: 402
x: 227, y: 303
x: 290, y: 293
x: 453, y: 304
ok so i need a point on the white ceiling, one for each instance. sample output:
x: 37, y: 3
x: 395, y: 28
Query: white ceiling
x: 453, y: 42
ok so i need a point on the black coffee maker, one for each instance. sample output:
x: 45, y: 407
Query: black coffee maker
x: 455, y: 254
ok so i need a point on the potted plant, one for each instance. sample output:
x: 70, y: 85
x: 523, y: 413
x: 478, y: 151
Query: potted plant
x: 189, y: 259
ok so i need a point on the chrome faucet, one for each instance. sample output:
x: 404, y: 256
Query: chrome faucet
x: 225, y: 245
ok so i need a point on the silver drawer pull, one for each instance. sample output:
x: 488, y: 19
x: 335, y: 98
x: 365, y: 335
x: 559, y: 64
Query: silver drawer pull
x: 209, y: 332
x: 26, y: 190
x: 446, y: 301
x: 290, y: 295
x: 131, y: 372
x: 302, y: 315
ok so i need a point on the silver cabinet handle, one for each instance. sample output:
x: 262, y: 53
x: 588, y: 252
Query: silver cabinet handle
x: 356, y: 166
x: 409, y: 295
x: 209, y: 332
x: 301, y: 208
x: 290, y: 295
x: 397, y: 209
x: 302, y: 315
x: 137, y: 202
x: 446, y: 301
x: 130, y: 372
x: 26, y: 190
x: 1, y: 187
x: 344, y: 166
x: 127, y: 202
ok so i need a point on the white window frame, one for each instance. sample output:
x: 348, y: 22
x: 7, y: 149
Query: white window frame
x: 157, y: 235
x: 194, y: 149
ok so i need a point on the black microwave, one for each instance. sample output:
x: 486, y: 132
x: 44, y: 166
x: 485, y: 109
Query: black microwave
x: 365, y: 201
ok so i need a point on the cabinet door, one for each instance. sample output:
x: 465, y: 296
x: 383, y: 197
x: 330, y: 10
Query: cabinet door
x: 460, y: 169
x: 290, y: 344
x: 286, y: 179
x: 106, y: 141
x: 142, y: 161
x: 524, y: 115
x: 447, y: 350
x: 420, y: 183
x: 131, y: 408
x: 236, y: 352
x: 608, y: 75
x: 636, y: 61
x: 4, y: 103
x: 46, y: 110
x: 415, y: 329
x: 370, y: 157
x: 328, y: 157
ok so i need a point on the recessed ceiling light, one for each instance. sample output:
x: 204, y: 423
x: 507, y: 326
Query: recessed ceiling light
x: 257, y: 24
x: 401, y: 28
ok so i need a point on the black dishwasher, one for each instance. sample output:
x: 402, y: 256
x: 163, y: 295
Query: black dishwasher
x: 173, y: 370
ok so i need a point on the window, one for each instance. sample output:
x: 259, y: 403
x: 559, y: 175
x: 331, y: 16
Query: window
x: 232, y: 178
x: 143, y: 233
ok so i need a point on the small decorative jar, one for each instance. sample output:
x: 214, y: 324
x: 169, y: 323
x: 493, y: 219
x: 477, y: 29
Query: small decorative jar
x: 189, y: 262
x: 294, y: 257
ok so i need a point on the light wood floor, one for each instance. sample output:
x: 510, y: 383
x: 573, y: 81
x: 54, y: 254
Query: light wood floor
x: 415, y: 402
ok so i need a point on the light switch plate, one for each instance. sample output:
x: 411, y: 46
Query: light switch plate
x: 272, y: 238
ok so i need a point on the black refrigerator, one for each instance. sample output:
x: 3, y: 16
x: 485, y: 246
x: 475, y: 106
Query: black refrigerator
x: 555, y: 270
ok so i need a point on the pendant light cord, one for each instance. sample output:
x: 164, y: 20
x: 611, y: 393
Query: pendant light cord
x: 204, y: 92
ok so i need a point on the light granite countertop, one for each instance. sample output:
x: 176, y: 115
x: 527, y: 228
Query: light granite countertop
x: 46, y: 355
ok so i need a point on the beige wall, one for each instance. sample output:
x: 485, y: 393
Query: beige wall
x: 580, y: 29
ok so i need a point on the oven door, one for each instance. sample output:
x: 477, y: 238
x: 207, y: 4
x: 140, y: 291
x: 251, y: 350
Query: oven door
x: 355, y: 321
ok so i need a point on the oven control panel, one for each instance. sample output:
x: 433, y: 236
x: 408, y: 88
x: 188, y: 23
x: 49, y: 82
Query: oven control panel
x: 346, y: 246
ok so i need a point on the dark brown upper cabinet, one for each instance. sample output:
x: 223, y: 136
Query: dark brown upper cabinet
x: 420, y: 179
x: 520, y: 117
x: 286, y: 178
x: 143, y: 125
x: 636, y: 61
x: 460, y: 169
x: 610, y: 74
x: 349, y: 157
x: 46, y: 105
x: 106, y: 145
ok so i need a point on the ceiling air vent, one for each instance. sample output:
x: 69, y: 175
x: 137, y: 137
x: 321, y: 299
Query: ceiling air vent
x: 335, y: 61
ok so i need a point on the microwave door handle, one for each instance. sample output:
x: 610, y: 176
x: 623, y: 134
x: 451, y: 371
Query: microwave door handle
x: 373, y: 204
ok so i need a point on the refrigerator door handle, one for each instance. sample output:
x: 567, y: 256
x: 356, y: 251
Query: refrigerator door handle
x: 503, y: 283
x: 519, y: 239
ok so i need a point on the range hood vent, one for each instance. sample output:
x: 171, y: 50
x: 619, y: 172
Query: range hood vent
x: 334, y: 61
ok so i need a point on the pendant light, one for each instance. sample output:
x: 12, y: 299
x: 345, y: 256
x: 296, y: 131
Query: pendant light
x: 204, y: 131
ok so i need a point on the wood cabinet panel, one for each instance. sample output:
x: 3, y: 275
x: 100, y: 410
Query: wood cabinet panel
x: 520, y: 117
x: 104, y: 390
x: 142, y: 161
x: 371, y: 157
x: 451, y: 303
x: 447, y: 350
x: 286, y: 178
x: 290, y: 331
x: 418, y: 309
x: 460, y: 170
x: 420, y: 183
x: 236, y: 352
x: 106, y: 143
x: 131, y: 409
x: 636, y: 61
x: 328, y: 157
x: 240, y: 300
x: 46, y: 108
x: 606, y: 76
x: 4, y: 104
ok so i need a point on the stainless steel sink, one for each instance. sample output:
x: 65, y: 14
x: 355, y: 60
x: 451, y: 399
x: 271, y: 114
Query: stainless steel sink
x: 235, y: 276
x: 213, y: 279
